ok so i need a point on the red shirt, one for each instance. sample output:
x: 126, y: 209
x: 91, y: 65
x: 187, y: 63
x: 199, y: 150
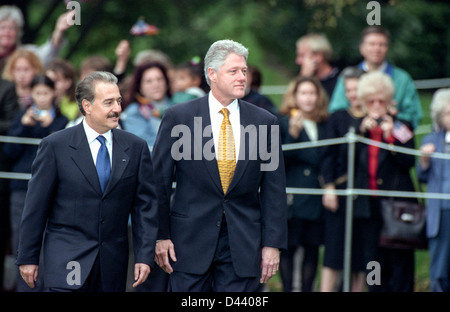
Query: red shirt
x: 376, y: 134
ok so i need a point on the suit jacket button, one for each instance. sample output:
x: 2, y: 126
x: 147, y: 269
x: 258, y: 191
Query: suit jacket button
x: 307, y: 172
x: 218, y: 223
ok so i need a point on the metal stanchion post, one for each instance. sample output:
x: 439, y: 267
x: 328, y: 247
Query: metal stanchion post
x: 349, y: 209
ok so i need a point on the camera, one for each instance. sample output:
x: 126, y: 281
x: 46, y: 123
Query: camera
x: 39, y: 112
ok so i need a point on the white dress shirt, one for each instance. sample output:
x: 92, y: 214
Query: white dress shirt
x: 216, y: 121
x: 95, y: 144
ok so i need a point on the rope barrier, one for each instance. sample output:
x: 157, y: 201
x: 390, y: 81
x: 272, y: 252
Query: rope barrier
x: 400, y: 149
x: 15, y: 175
x: 426, y: 84
x: 289, y: 147
x: 366, y: 192
x: 19, y: 140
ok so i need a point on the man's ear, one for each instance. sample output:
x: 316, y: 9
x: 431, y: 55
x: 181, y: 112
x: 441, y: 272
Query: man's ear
x: 86, y: 106
x: 211, y: 74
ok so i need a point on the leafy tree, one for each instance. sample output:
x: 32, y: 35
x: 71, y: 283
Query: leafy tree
x: 269, y: 28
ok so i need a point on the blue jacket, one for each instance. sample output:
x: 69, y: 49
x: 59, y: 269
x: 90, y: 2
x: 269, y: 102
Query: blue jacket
x: 134, y: 122
x: 433, y: 176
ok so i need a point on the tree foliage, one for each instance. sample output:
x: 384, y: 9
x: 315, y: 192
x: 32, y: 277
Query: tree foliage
x: 269, y: 28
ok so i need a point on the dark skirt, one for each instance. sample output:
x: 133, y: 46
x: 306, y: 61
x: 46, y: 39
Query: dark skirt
x: 305, y: 232
x: 365, y: 233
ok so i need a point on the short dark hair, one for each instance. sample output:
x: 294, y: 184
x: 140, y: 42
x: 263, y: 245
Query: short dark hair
x: 137, y: 78
x: 352, y: 72
x: 375, y: 29
x: 42, y: 79
x: 86, y: 87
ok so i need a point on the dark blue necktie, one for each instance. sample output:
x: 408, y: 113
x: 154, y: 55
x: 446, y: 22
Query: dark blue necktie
x: 103, y: 163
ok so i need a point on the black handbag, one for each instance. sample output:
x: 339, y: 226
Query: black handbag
x: 403, y: 224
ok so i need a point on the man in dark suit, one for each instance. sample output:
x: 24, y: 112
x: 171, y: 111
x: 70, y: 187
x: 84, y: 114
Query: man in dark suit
x: 9, y: 107
x: 219, y: 233
x: 83, y: 214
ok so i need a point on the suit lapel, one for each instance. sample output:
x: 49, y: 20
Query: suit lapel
x: 120, y: 160
x: 205, y: 120
x: 83, y: 158
x: 246, y: 149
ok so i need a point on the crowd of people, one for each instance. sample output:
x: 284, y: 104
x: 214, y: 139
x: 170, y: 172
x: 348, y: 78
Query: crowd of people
x: 376, y: 98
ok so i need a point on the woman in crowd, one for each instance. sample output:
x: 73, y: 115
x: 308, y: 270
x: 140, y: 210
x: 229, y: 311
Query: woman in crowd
x: 149, y: 96
x: 381, y: 169
x: 435, y: 172
x: 21, y: 68
x: 304, y: 113
x: 37, y: 121
x: 334, y: 175
x: 64, y: 76
x: 11, y: 30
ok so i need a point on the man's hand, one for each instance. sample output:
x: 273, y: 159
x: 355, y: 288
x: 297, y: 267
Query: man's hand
x: 29, y: 273
x: 141, y: 272
x: 269, y: 263
x: 164, y: 248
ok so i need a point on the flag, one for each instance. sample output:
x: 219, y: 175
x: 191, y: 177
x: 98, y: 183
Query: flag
x: 401, y: 132
x: 141, y: 28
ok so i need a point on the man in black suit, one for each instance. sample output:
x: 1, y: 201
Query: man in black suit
x: 9, y: 107
x: 84, y: 212
x: 224, y: 229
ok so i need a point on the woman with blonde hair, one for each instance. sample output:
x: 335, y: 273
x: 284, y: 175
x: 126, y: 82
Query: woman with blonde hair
x: 297, y: 113
x: 22, y: 66
x: 304, y: 114
x: 376, y: 169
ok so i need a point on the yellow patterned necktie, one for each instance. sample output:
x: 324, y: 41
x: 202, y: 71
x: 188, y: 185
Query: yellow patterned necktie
x: 226, y: 153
